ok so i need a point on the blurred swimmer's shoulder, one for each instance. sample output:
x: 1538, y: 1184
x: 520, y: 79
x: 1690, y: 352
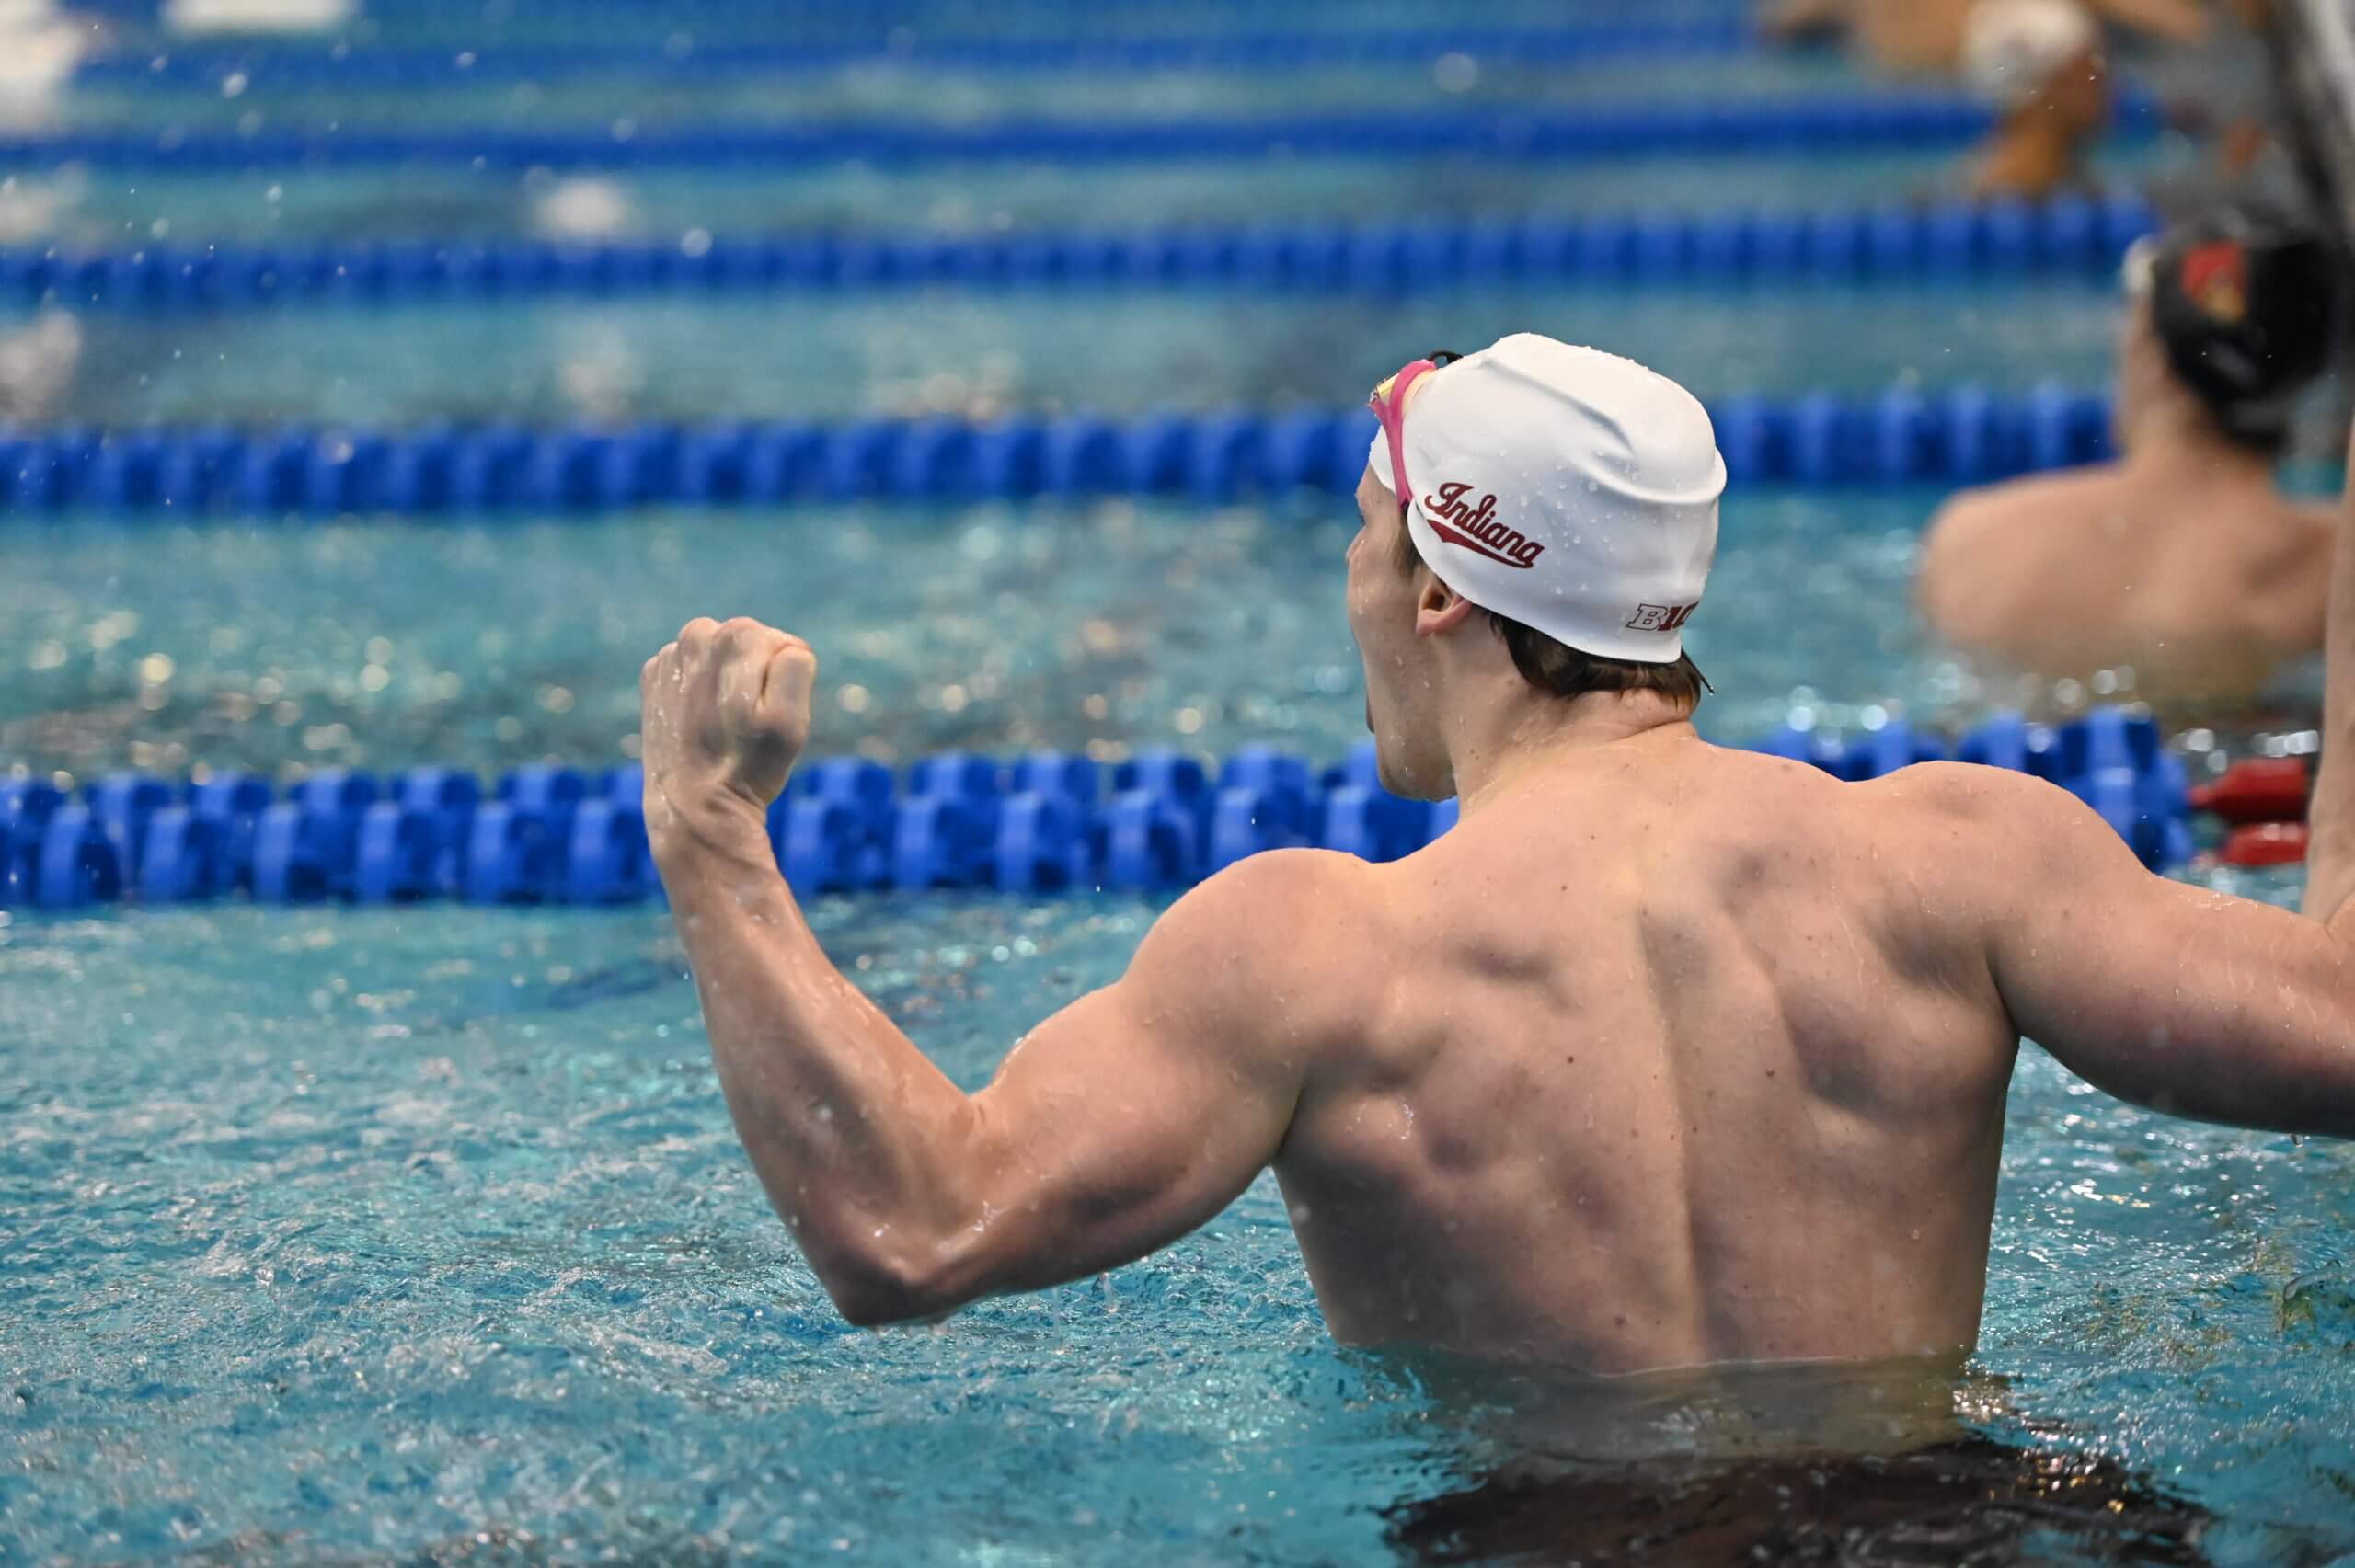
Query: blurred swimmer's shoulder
x: 2088, y: 491
x: 1998, y: 530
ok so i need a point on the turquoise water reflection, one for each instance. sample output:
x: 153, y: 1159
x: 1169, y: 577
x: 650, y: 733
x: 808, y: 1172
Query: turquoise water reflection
x: 338, y: 1237
x: 995, y: 627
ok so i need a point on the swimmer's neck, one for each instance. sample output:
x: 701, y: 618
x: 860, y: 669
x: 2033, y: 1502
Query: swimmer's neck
x: 2172, y: 437
x: 1492, y: 748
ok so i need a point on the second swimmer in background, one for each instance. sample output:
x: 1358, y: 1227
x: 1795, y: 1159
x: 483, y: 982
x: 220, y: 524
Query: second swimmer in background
x: 2181, y: 560
x: 1927, y: 35
x: 2040, y: 64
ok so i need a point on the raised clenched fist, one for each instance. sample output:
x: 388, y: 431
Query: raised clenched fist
x: 724, y: 712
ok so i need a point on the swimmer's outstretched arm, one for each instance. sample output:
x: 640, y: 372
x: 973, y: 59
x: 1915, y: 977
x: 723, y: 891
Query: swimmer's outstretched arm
x: 1114, y: 1128
x: 2330, y: 865
x: 2187, y: 1000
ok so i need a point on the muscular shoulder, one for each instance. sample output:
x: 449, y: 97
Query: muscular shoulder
x: 1289, y: 943
x: 1278, y: 894
x: 1962, y: 796
x: 1987, y: 830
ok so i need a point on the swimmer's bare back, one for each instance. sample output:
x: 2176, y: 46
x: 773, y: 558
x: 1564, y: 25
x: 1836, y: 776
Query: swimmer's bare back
x: 1665, y: 1055
x: 1672, y: 1055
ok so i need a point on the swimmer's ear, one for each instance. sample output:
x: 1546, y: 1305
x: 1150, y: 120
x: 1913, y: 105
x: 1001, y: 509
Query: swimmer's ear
x: 1439, y: 608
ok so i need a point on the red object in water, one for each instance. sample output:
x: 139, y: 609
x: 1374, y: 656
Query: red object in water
x: 2266, y: 843
x: 2256, y: 789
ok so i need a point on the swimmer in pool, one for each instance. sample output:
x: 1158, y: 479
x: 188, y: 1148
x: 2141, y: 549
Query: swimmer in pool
x: 1666, y: 1055
x: 1927, y: 35
x: 2181, y: 561
x: 2038, y: 64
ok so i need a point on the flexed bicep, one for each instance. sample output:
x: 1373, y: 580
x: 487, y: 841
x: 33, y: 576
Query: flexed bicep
x: 1139, y: 1112
x: 1111, y: 1133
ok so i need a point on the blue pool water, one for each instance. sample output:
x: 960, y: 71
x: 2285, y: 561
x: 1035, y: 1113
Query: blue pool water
x: 344, y: 1238
x: 1113, y: 352
x: 90, y: 208
x: 479, y: 19
x: 422, y: 1236
x: 885, y: 91
x: 434, y: 1220
x: 991, y: 628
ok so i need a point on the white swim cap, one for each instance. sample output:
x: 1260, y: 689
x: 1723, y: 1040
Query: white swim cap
x: 1567, y: 489
x: 2012, y: 48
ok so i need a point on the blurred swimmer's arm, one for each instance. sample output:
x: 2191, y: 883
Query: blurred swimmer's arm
x: 2331, y: 865
x: 2176, y: 21
x: 1138, y: 1113
x: 1797, y: 18
x: 2190, y: 1001
x: 853, y: 1133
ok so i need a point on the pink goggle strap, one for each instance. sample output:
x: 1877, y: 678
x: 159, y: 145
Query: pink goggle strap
x: 1389, y: 405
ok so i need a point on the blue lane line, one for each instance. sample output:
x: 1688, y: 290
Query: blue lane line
x: 280, y: 64
x: 1897, y: 437
x: 2069, y: 237
x: 1758, y: 128
x: 880, y: 16
x: 1049, y: 823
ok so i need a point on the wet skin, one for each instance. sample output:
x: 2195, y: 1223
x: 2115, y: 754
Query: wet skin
x: 1666, y: 1055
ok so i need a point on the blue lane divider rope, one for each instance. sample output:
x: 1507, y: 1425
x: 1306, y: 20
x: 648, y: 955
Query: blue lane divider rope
x: 859, y: 16
x: 1048, y: 823
x: 1718, y: 128
x: 281, y: 65
x: 2071, y: 236
x: 1821, y: 440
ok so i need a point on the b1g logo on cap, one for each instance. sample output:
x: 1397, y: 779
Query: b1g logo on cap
x: 1662, y: 617
x: 1476, y: 528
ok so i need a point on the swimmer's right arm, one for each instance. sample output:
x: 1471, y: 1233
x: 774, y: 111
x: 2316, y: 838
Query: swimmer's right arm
x: 1131, y: 1117
x: 1136, y: 1113
x: 1139, y: 1112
